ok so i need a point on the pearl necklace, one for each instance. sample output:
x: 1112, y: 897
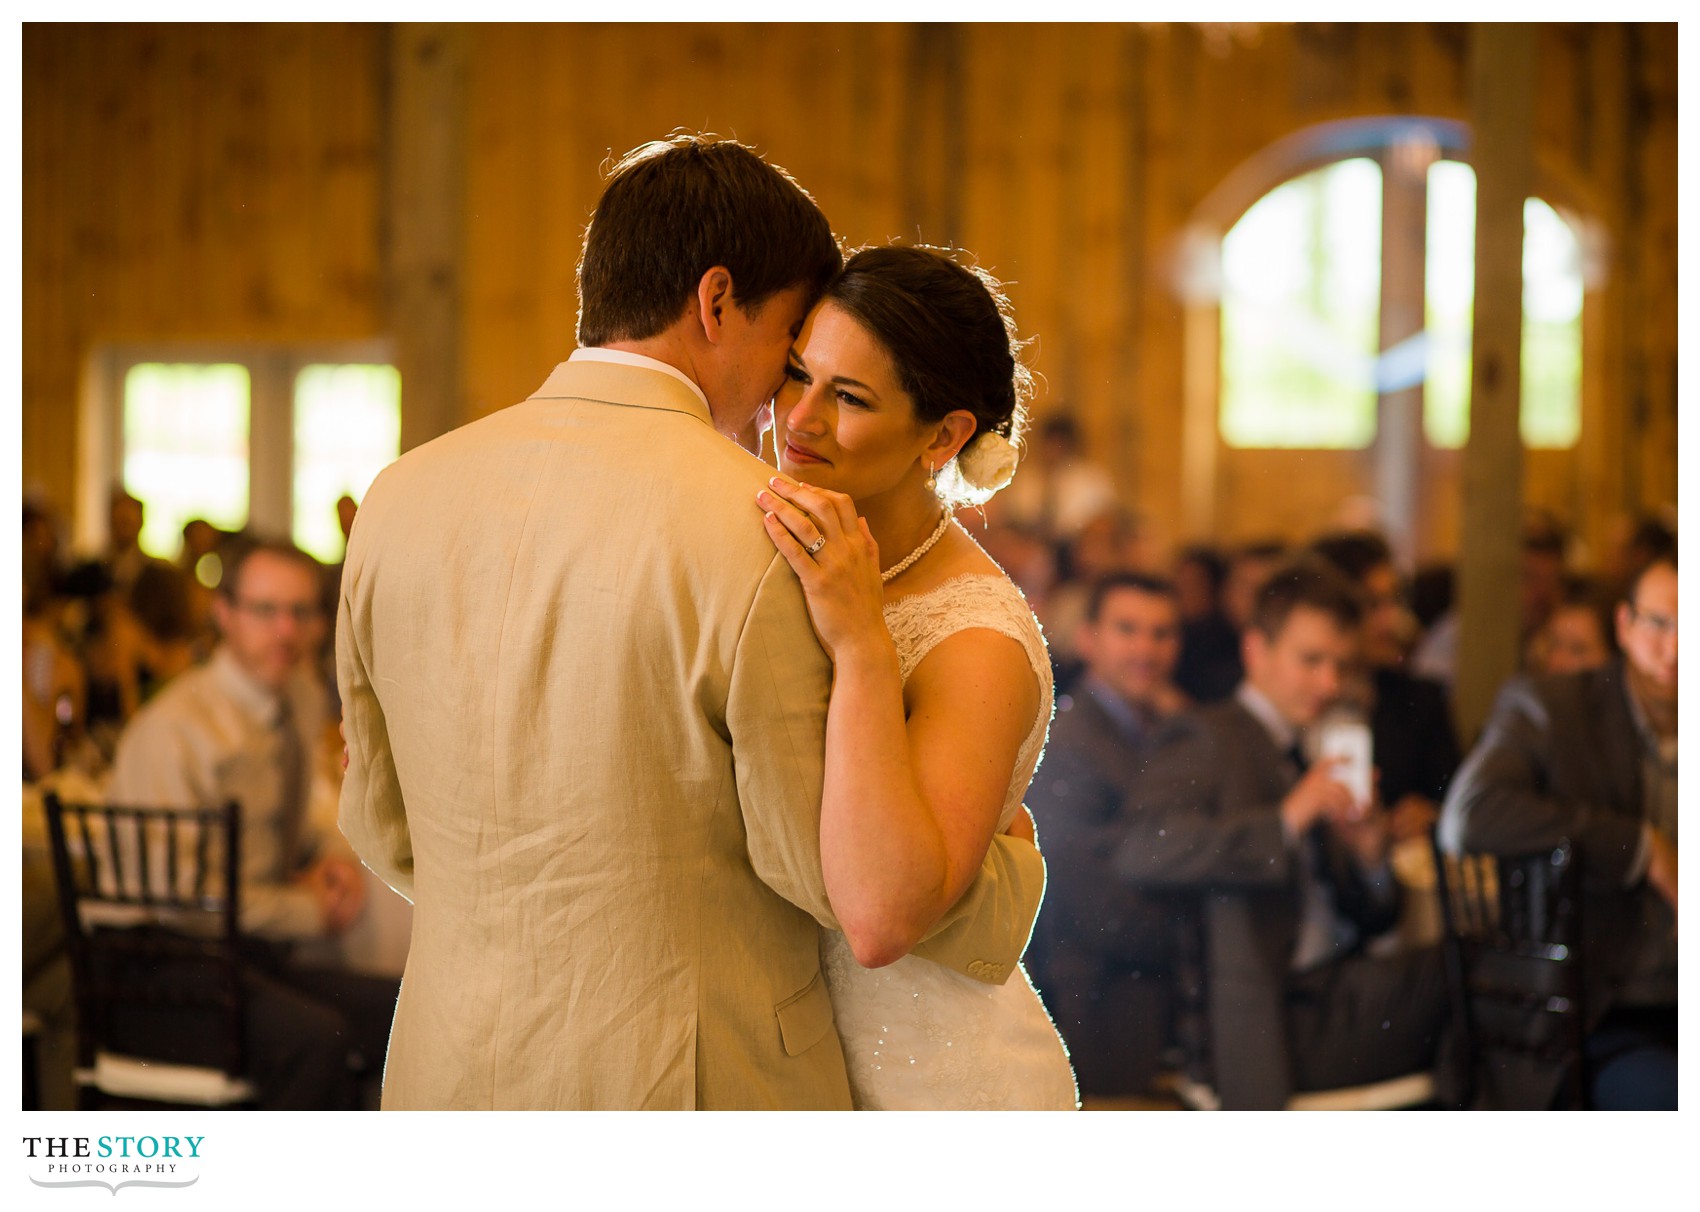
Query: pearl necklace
x: 923, y: 549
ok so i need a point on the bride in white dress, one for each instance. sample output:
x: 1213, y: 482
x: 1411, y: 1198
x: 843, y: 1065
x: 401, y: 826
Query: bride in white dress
x: 903, y: 396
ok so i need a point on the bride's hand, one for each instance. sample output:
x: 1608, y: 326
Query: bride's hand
x: 841, y: 577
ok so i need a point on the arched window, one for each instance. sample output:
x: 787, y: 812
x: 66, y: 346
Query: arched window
x: 1301, y: 298
x: 1301, y: 291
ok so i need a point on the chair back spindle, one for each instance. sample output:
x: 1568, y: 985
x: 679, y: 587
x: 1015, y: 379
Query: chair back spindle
x: 1512, y: 923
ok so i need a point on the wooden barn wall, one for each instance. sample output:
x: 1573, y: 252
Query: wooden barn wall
x: 190, y: 183
x: 229, y: 182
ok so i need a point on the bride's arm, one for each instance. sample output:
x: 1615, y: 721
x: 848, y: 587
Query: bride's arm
x: 911, y: 800
x: 904, y: 832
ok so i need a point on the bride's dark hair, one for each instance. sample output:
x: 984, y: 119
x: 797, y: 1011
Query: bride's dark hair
x: 948, y: 328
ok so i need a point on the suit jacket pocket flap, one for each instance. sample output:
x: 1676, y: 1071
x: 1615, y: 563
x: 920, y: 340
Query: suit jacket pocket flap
x: 805, y: 1017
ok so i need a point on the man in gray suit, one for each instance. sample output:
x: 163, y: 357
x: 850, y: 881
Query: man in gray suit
x: 1591, y: 757
x: 1290, y: 871
x: 1098, y: 946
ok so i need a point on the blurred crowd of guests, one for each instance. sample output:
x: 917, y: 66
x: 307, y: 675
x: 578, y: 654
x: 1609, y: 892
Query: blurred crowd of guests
x: 1182, y: 781
x: 103, y: 635
x: 186, y: 684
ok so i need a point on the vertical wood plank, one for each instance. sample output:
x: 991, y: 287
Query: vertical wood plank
x: 1603, y: 496
x: 1656, y: 393
x: 1502, y: 84
x: 427, y: 172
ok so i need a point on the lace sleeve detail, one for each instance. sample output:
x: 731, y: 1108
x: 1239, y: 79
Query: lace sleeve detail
x: 920, y: 622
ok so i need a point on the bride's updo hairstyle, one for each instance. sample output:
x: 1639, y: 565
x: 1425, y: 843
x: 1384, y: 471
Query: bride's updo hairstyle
x: 951, y: 335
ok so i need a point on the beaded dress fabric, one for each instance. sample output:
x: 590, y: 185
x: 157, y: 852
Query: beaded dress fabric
x: 918, y: 1036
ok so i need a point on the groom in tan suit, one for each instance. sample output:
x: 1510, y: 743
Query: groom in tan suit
x: 585, y: 708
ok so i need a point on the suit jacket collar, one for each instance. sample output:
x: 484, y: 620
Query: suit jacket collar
x: 623, y: 385
x: 1116, y: 711
x: 1616, y: 675
x: 1241, y: 733
x: 1257, y: 705
x: 1623, y: 743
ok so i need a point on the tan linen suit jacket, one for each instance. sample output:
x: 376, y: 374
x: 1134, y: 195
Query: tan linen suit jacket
x: 585, y: 714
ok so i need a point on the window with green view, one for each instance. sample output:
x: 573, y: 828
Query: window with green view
x: 1301, y: 308
x: 1300, y: 314
x: 347, y: 430
x: 186, y: 448
x: 1551, y: 411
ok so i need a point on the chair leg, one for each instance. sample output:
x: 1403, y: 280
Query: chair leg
x: 31, y: 1073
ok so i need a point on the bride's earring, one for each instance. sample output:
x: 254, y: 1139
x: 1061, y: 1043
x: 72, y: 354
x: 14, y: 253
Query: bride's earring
x: 932, y: 479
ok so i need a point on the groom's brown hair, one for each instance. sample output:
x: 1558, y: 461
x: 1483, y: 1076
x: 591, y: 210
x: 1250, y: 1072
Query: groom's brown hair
x: 674, y: 209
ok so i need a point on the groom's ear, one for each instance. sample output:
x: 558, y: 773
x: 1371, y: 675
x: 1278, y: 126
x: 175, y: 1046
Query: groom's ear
x: 713, y: 301
x: 953, y: 434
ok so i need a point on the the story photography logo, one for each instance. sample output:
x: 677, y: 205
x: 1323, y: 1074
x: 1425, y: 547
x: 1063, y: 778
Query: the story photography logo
x: 114, y: 1161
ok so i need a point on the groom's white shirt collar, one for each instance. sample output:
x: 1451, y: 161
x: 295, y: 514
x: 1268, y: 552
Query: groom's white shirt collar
x: 623, y: 358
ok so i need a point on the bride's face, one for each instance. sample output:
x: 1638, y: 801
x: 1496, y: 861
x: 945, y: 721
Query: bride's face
x: 841, y: 419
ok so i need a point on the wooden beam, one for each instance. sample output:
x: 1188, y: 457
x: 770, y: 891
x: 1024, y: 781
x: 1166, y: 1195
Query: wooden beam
x: 934, y: 157
x: 1201, y: 396
x: 1502, y: 62
x: 425, y: 223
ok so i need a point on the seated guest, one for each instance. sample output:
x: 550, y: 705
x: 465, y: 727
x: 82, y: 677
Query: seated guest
x: 1250, y: 565
x: 202, y: 565
x: 1060, y: 490
x: 1291, y: 872
x: 54, y: 688
x: 161, y: 604
x: 1416, y: 749
x: 1636, y: 543
x: 1577, y: 635
x: 1542, y: 581
x: 1591, y: 757
x: 1098, y: 946
x: 1434, y: 592
x: 124, y: 557
x: 1105, y: 544
x: 246, y: 726
x: 1539, y: 586
x: 1209, y: 666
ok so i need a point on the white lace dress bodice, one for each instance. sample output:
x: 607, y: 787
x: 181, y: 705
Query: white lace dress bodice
x: 918, y: 1036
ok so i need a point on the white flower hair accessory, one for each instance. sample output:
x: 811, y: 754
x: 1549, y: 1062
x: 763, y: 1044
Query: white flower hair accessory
x: 988, y: 464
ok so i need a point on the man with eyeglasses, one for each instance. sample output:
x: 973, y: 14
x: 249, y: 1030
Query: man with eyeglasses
x: 1591, y: 757
x: 247, y: 726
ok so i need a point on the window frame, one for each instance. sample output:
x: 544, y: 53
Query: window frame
x: 272, y: 370
x: 1198, y: 285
